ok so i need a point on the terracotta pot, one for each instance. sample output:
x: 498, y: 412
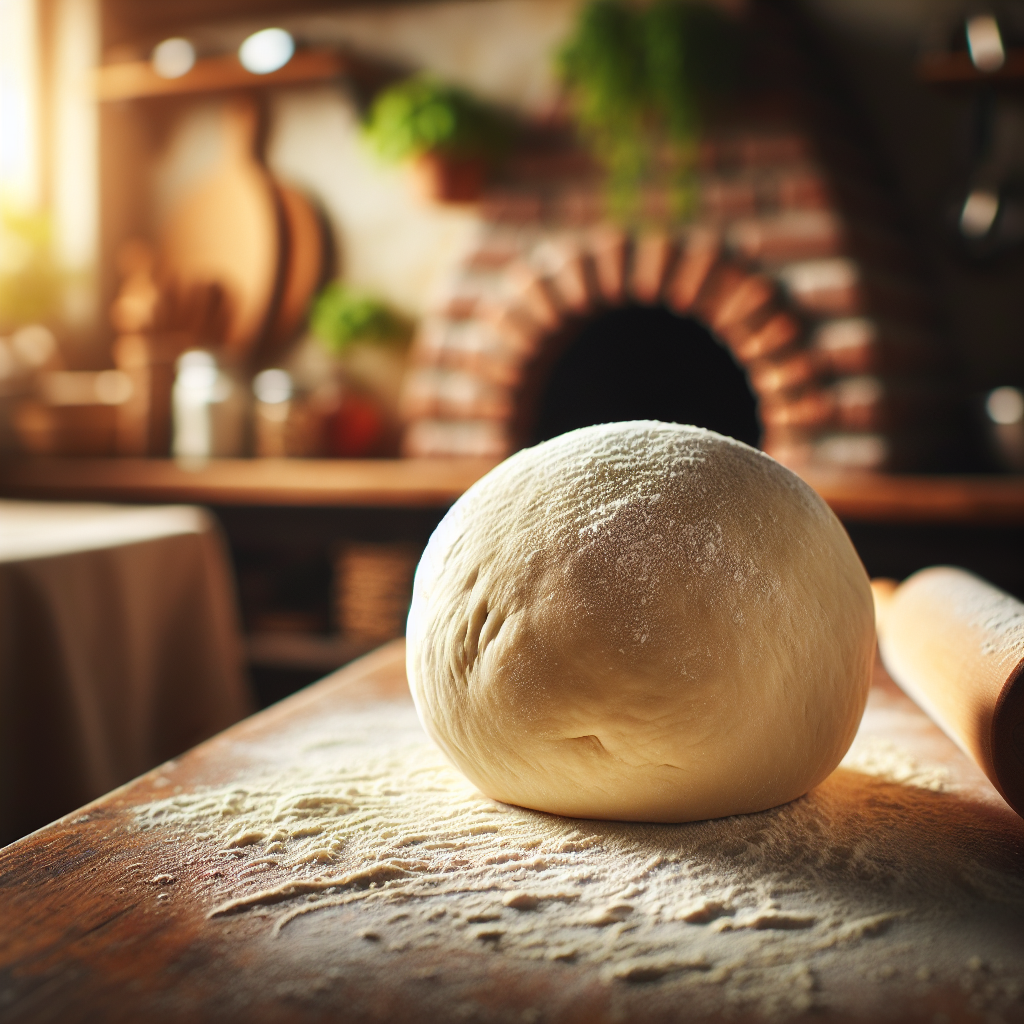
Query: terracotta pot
x: 443, y: 178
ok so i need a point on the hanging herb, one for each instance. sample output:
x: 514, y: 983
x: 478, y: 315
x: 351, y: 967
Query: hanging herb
x: 638, y: 78
x: 603, y: 65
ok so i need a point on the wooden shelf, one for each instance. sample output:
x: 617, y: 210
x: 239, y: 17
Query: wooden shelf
x: 413, y: 483
x: 436, y: 483
x: 894, y: 498
x: 958, y: 69
x: 137, y: 79
x: 131, y: 21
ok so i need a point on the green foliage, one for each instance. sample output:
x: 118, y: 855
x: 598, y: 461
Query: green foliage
x: 638, y: 78
x: 422, y: 115
x: 29, y: 283
x: 341, y: 317
x: 604, y: 66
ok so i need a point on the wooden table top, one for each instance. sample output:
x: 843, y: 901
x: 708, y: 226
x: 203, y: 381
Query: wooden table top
x: 163, y: 901
x: 435, y: 483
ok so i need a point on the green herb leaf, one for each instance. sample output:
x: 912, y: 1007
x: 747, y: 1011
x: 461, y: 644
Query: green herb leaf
x: 341, y: 317
x: 422, y: 115
x: 638, y: 78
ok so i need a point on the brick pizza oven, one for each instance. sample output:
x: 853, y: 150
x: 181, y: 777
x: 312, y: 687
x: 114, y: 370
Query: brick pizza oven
x: 790, y: 313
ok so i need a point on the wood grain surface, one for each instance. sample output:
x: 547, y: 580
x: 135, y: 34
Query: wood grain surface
x: 105, y: 921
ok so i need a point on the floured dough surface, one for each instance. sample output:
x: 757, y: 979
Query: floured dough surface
x: 641, y: 621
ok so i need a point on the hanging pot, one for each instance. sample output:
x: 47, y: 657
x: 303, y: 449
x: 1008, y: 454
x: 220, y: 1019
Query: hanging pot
x: 446, y: 178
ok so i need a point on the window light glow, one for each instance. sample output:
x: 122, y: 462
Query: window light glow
x: 19, y: 170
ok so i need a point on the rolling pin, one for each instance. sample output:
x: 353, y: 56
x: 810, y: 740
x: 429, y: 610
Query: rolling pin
x: 955, y: 644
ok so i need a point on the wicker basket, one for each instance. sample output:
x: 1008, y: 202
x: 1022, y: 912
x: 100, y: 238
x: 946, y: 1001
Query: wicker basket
x: 373, y: 586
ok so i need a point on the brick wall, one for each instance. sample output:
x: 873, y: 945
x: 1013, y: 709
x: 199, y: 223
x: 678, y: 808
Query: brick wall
x: 795, y: 262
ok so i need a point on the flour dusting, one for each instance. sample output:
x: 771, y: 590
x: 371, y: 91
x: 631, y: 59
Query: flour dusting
x: 872, y: 880
x: 883, y: 759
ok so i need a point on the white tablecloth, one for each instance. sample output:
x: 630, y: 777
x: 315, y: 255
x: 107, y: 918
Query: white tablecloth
x: 119, y: 648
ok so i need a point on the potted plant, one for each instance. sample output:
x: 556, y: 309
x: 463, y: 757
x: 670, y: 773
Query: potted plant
x: 341, y: 318
x: 638, y: 79
x: 368, y: 339
x: 450, y: 137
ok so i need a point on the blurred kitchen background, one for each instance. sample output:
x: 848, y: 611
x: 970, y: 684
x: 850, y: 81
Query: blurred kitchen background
x: 248, y: 247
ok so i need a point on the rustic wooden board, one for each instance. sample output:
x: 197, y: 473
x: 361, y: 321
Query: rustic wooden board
x: 230, y: 232
x: 305, y: 259
x: 94, y: 929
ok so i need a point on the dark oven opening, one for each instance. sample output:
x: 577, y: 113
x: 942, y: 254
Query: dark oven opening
x: 644, y: 362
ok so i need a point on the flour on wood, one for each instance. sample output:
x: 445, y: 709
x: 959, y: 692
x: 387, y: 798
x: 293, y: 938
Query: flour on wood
x: 884, y: 760
x: 870, y: 884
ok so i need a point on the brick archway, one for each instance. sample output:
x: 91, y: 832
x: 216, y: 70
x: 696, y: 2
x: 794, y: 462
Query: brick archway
x: 477, y: 367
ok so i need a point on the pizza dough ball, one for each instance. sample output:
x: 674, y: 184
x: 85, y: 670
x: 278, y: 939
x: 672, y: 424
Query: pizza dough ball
x: 641, y: 621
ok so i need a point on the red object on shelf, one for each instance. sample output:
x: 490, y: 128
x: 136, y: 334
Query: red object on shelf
x: 357, y: 428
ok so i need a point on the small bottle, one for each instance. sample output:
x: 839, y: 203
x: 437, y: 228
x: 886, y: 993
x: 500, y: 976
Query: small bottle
x: 209, y: 409
x: 288, y: 422
x: 273, y: 391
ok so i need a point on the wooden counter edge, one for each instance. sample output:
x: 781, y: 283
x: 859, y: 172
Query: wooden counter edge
x: 435, y: 483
